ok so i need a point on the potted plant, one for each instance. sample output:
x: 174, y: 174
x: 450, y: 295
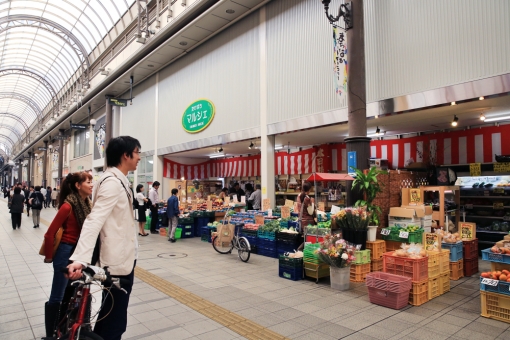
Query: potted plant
x: 339, y: 254
x: 369, y: 186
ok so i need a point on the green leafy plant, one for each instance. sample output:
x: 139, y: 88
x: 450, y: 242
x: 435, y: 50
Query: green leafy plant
x: 370, y: 187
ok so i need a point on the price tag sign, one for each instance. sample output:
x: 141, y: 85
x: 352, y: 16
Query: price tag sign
x: 468, y: 206
x: 189, y: 200
x: 243, y: 199
x: 183, y: 199
x: 321, y: 206
x: 467, y: 230
x: 501, y: 167
x: 498, y: 206
x: 194, y: 205
x: 334, y: 209
x: 285, y: 212
x: 209, y: 205
x: 432, y: 241
x: 259, y: 219
x: 475, y: 169
x: 385, y: 231
x: 498, y: 191
x: 208, y: 197
x: 266, y: 204
x: 235, y: 199
x: 289, y: 203
x: 403, y: 234
x: 490, y: 282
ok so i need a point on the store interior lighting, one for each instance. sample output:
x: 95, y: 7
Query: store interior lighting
x: 454, y: 103
x: 497, y: 118
x: 377, y: 134
x: 482, y: 117
x: 481, y: 98
x: 455, y: 120
x: 278, y: 147
x: 221, y: 149
x: 251, y: 145
x: 216, y: 155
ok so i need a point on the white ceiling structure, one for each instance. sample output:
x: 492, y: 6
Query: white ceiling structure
x: 44, y: 43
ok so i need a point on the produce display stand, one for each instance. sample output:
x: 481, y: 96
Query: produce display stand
x: 495, y: 294
x: 442, y: 214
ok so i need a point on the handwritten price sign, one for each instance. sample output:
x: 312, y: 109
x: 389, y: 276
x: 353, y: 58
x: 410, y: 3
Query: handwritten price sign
x: 403, y: 234
x: 385, y: 232
x: 259, y: 219
x: 285, y: 212
x: 490, y: 282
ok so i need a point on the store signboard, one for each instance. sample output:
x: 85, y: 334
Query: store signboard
x: 475, y: 169
x: 266, y: 204
x: 467, y: 231
x: 117, y: 102
x: 198, y: 115
x: 60, y: 137
x: 432, y: 241
x: 285, y: 212
x: 501, y: 167
x: 351, y: 162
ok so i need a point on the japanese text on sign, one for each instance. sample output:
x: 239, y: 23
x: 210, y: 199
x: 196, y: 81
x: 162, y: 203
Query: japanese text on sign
x: 403, y: 234
x: 266, y: 204
x: 475, y: 169
x: 385, y: 231
x: 285, y: 212
x: 501, y: 167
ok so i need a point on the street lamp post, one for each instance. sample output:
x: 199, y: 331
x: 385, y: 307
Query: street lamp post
x: 357, y: 141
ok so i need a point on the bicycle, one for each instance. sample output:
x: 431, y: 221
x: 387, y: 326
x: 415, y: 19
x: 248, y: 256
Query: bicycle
x: 76, y: 322
x: 238, y: 242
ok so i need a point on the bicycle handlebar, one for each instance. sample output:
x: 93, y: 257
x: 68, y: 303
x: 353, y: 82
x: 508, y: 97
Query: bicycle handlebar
x: 93, y: 273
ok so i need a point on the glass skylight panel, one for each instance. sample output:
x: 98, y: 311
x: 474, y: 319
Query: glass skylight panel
x: 97, y: 18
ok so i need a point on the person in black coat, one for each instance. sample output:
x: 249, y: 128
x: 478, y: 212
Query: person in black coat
x: 16, y: 208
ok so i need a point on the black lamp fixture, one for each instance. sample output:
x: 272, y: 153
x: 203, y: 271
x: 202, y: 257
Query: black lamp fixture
x: 455, y: 120
x: 251, y: 145
x: 377, y: 131
x: 221, y: 149
x: 344, y: 11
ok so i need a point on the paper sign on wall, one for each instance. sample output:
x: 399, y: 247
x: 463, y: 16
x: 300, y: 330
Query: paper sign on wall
x: 414, y: 195
x: 467, y: 231
x: 266, y: 204
x: 209, y: 205
x: 334, y: 209
x: 285, y: 212
x: 289, y: 203
x: 432, y: 241
x: 259, y: 219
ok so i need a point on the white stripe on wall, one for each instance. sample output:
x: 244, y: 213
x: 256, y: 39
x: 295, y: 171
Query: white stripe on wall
x: 255, y: 168
x: 334, y: 158
x: 307, y: 164
x: 300, y: 164
x: 373, y: 151
x: 285, y: 165
x: 496, y: 145
x: 462, y: 150
x: 419, y: 151
x: 479, y: 148
x: 314, y: 169
x: 344, y: 159
x: 384, y: 151
x: 407, y: 151
x: 292, y: 166
x: 394, y: 161
x: 447, y: 151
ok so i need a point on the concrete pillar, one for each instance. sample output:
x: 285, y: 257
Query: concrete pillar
x: 20, y: 170
x: 45, y: 165
x: 29, y: 169
x: 109, y: 127
x: 60, y: 158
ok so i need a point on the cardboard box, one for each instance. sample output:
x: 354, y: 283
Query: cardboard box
x: 405, y: 213
x: 381, y: 164
x: 423, y: 209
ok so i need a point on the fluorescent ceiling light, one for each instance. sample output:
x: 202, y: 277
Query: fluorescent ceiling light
x: 216, y: 155
x: 497, y: 118
x: 380, y: 134
x: 278, y: 147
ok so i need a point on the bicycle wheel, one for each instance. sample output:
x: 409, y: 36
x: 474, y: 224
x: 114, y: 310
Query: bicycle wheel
x: 244, y: 250
x: 84, y: 335
x: 222, y: 247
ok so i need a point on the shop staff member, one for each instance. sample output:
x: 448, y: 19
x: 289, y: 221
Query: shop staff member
x: 239, y: 192
x: 154, y: 198
x: 112, y: 219
x: 256, y: 198
x: 172, y: 212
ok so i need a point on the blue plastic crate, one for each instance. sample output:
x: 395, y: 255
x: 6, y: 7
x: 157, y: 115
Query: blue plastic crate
x: 293, y: 274
x: 269, y: 252
x: 253, y: 240
x: 270, y: 235
x: 266, y: 243
x: 456, y: 251
x: 284, y: 224
x: 189, y: 227
x: 187, y: 234
x: 294, y: 224
x: 502, y: 287
x: 487, y: 255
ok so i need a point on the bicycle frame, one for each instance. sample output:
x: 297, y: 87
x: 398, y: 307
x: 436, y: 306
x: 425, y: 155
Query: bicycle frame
x: 80, y: 298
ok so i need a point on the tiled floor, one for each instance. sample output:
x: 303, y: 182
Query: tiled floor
x: 253, y: 291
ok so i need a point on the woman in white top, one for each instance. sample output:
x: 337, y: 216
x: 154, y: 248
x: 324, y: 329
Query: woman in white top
x: 141, y: 209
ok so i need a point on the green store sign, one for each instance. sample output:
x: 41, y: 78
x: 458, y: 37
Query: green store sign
x: 198, y: 116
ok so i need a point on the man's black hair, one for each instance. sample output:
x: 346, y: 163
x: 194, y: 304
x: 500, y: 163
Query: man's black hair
x: 156, y: 184
x: 119, y: 146
x: 174, y: 191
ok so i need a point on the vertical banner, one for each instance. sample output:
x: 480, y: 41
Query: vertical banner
x: 340, y: 60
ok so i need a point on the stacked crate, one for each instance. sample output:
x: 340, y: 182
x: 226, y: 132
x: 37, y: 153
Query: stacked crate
x: 456, y: 259
x: 377, y: 249
x: 314, y: 267
x: 439, y: 273
x: 250, y: 232
x: 495, y: 294
x: 361, y: 266
x: 470, y: 251
x: 416, y: 269
x: 287, y: 242
x: 290, y: 268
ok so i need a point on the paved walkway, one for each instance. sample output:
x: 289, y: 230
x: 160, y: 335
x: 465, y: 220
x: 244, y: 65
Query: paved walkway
x: 186, y: 290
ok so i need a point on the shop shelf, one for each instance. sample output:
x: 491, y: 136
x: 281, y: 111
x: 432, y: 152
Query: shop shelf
x: 416, y: 269
x: 434, y: 289
x: 392, y: 245
x: 419, y: 293
x: 414, y: 236
x: 376, y: 265
x: 290, y: 262
x: 495, y: 306
x: 316, y: 271
x: 377, y: 249
x: 456, y: 270
x: 270, y: 235
x: 444, y: 261
x: 389, y: 282
x: 455, y: 250
x: 358, y: 272
x: 361, y: 256
x: 487, y: 255
x: 470, y: 266
x: 444, y: 283
x: 502, y: 287
x: 470, y: 249
x: 388, y: 299
x: 434, y: 264
x: 293, y: 274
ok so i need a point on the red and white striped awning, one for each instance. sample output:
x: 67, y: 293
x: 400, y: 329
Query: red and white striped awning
x: 230, y: 167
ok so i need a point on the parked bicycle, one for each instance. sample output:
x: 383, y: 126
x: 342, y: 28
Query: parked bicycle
x: 238, y: 242
x: 76, y: 323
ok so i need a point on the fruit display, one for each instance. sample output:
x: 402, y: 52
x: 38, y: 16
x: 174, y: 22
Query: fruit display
x: 412, y: 251
x: 503, y: 275
x: 449, y: 237
x: 500, y: 250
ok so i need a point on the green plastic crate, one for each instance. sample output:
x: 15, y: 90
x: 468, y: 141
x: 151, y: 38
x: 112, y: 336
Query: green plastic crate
x: 362, y: 256
x: 178, y: 232
x: 414, y: 236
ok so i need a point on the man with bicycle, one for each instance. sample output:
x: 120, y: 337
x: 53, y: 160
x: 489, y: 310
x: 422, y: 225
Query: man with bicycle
x: 111, y: 219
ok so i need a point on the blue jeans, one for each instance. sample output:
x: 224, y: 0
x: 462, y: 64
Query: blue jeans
x: 60, y: 260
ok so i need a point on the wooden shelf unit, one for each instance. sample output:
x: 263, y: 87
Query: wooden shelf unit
x: 440, y: 215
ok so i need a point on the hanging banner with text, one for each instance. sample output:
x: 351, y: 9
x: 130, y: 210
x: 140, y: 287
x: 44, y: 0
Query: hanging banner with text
x: 340, y: 61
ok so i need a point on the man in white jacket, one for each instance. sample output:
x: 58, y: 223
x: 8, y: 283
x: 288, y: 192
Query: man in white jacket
x: 112, y: 219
